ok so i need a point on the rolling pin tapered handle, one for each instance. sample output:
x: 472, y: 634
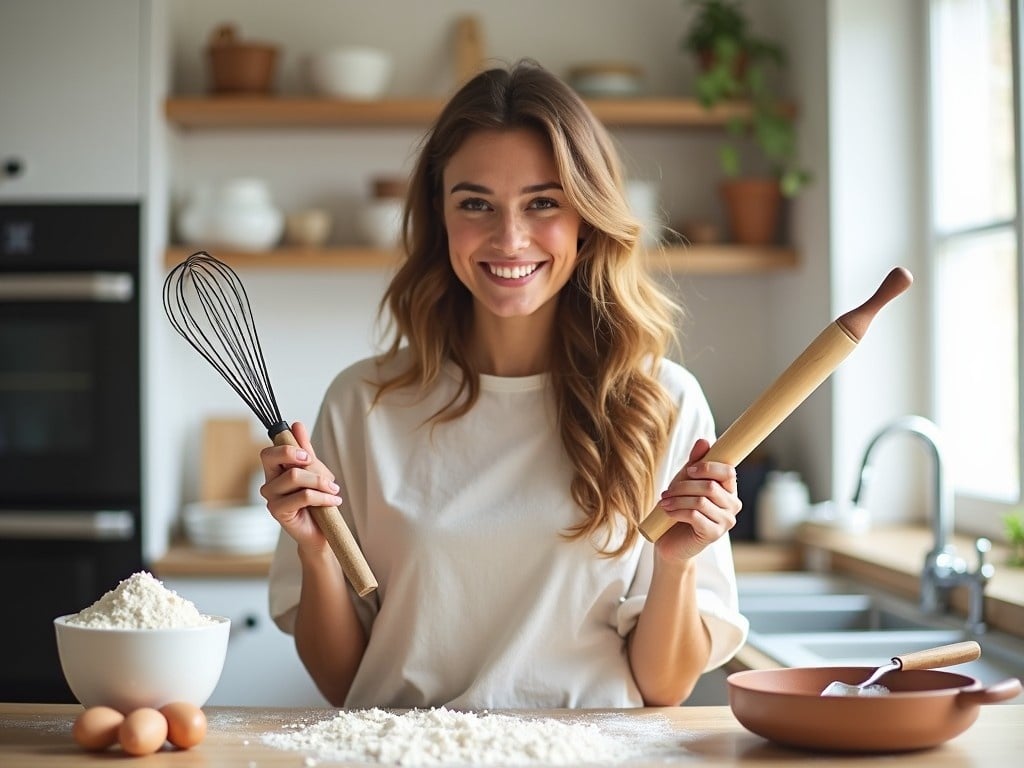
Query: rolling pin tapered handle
x: 942, y: 656
x: 791, y: 388
x: 856, y: 321
x: 338, y: 535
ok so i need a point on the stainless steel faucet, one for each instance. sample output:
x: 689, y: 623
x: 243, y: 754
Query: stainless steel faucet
x: 943, y: 569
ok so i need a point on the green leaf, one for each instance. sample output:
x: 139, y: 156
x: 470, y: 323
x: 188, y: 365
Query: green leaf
x: 791, y: 182
x: 729, y: 159
x: 735, y: 127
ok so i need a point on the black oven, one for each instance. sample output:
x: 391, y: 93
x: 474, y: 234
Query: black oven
x: 70, y: 416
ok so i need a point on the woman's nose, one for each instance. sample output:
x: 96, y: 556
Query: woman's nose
x: 511, y: 233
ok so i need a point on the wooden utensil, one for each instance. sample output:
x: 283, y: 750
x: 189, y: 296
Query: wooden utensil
x: 792, y: 387
x: 469, y: 48
x: 931, y: 658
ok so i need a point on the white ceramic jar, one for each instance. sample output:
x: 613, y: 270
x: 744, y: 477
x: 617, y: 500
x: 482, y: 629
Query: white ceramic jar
x: 195, y: 217
x: 245, y: 218
x: 644, y: 199
x: 380, y: 222
x: 782, y: 504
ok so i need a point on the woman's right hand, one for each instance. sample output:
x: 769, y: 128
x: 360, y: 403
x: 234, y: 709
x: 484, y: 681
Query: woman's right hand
x: 296, y: 481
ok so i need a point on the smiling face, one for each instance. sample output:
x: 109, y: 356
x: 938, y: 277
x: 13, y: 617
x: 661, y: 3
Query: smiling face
x: 512, y: 234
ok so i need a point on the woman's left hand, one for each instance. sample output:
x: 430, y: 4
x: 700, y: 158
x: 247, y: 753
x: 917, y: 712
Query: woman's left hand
x: 702, y: 497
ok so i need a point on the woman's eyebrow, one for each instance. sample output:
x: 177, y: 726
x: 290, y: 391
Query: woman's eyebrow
x: 467, y: 186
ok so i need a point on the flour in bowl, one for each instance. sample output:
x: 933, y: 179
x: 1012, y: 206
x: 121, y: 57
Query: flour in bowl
x: 444, y: 737
x: 140, y: 602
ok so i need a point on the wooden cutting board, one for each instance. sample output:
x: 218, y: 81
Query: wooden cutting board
x: 229, y: 457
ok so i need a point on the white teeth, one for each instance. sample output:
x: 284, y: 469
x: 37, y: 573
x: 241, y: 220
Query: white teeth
x: 513, y: 273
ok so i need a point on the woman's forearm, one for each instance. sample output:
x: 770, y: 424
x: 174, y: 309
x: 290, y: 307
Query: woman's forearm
x: 328, y: 635
x: 669, y: 646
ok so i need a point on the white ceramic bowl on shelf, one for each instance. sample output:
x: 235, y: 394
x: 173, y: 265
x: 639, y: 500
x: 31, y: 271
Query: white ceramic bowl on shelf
x: 236, y: 528
x: 606, y: 79
x: 131, y: 668
x: 245, y: 217
x: 380, y: 222
x: 352, y: 72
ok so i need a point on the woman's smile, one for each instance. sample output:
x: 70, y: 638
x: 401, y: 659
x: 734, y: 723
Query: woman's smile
x: 512, y: 273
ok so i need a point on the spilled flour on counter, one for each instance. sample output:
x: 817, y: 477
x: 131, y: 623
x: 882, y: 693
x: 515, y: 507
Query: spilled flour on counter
x: 435, y: 737
x: 140, y: 602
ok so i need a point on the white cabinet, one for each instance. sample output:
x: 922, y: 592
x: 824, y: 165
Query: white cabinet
x: 262, y: 667
x: 71, y: 79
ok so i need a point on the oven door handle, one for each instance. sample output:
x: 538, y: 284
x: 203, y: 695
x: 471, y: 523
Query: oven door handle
x: 98, y: 525
x: 115, y: 287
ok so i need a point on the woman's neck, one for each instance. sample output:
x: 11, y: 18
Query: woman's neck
x: 513, y: 346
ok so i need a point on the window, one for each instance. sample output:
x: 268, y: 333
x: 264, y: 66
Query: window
x: 976, y: 250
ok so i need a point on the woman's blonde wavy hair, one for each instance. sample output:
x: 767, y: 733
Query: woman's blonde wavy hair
x: 614, y: 324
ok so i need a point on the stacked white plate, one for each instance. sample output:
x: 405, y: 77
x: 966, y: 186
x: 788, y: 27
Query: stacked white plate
x: 241, y: 529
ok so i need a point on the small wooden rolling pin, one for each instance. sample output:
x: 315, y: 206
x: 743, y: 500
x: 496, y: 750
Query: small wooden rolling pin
x: 338, y: 535
x: 792, y: 387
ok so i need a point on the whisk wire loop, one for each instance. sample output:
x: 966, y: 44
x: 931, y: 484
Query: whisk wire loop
x: 207, y: 305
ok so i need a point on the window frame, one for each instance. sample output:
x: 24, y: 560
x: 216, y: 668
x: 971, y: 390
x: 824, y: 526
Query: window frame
x: 976, y: 514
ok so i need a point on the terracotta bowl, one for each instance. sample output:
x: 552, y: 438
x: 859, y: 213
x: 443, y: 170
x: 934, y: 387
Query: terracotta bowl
x: 238, y: 66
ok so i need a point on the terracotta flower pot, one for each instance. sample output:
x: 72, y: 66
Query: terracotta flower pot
x: 753, y: 207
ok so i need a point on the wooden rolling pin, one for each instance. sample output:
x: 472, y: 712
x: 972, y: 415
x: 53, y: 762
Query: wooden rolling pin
x: 792, y: 387
x: 338, y: 535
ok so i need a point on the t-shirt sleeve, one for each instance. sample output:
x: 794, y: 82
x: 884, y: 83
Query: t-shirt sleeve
x: 716, y: 600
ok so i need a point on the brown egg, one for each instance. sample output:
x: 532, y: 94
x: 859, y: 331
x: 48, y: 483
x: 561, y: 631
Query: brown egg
x: 143, y: 732
x: 96, y: 728
x: 186, y: 724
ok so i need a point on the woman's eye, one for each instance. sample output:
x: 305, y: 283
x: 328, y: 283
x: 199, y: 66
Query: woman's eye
x: 543, y: 203
x: 473, y: 204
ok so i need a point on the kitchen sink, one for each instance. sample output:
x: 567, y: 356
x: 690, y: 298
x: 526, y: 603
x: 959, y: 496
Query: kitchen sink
x: 824, y: 613
x: 794, y: 583
x: 815, y: 620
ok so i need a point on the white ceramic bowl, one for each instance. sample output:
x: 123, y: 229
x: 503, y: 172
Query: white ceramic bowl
x: 131, y: 668
x: 241, y: 529
x: 354, y: 72
x: 380, y: 222
x: 310, y: 227
x: 606, y: 79
x: 245, y: 217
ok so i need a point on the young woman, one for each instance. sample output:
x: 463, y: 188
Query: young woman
x: 495, y: 462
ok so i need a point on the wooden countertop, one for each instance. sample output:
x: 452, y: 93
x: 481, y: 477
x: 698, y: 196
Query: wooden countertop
x: 888, y: 557
x: 184, y: 560
x: 40, y: 735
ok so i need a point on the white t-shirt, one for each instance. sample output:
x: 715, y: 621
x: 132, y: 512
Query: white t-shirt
x: 481, y: 602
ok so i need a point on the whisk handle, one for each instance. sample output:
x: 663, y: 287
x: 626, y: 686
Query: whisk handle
x: 338, y: 535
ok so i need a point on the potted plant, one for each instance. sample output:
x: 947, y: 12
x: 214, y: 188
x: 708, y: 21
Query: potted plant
x: 735, y: 64
x: 1014, y: 524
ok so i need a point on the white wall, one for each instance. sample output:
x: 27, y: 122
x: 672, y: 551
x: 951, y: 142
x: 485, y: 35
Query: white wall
x: 876, y: 210
x: 742, y: 331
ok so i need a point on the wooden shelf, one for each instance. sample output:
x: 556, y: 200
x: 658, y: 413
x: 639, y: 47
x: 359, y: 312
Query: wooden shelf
x: 242, y: 112
x: 299, y: 111
x: 722, y: 259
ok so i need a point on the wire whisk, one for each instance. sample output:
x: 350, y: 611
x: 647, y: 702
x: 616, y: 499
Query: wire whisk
x: 207, y: 305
